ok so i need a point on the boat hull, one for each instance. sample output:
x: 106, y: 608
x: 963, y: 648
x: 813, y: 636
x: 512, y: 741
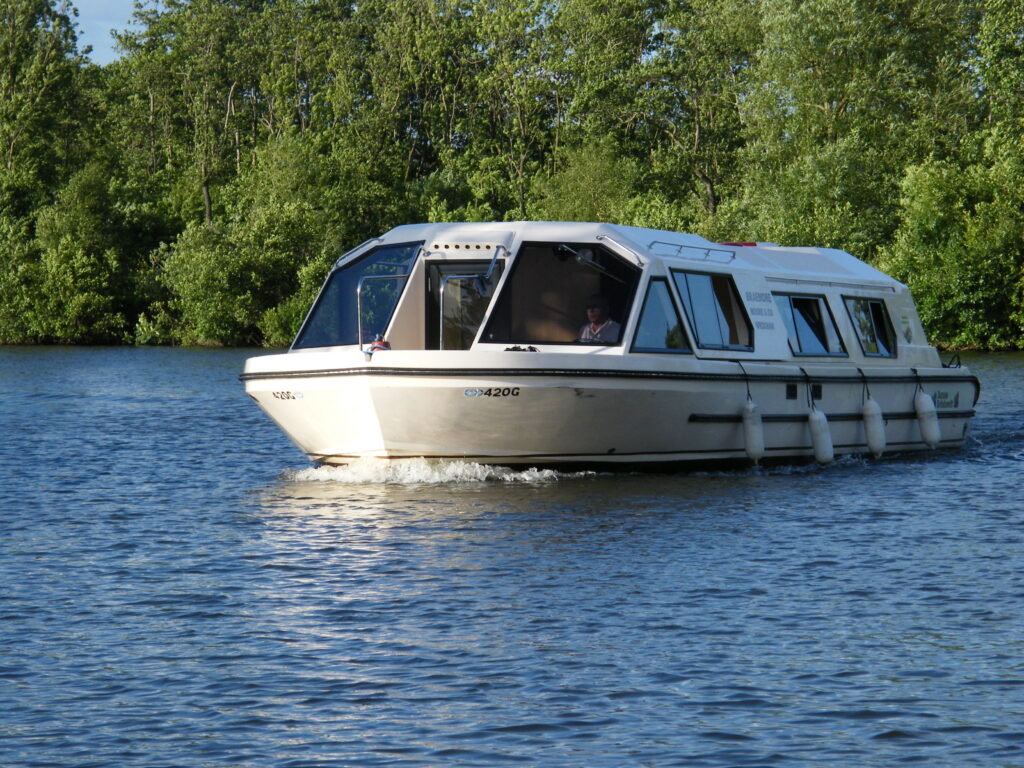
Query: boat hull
x: 602, y: 416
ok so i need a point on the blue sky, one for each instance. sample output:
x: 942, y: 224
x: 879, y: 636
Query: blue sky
x: 95, y: 20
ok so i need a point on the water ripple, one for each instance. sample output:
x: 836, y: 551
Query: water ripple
x: 179, y: 589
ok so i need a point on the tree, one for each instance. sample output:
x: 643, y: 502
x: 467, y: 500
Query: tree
x: 41, y: 111
x: 516, y: 95
x: 38, y: 99
x: 189, y: 67
x: 86, y: 287
x: 594, y: 183
x: 960, y: 246
x: 844, y: 95
x: 1002, y: 53
x: 693, y: 86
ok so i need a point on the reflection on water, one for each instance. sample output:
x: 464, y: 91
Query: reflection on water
x: 180, y: 589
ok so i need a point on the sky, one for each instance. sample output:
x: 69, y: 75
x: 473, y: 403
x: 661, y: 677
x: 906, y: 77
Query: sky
x: 95, y: 20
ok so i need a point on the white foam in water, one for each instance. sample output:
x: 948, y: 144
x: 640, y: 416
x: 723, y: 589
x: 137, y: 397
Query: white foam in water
x: 422, y: 471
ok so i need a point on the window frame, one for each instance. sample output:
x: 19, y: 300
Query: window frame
x: 828, y: 309
x: 890, y: 329
x: 679, y: 316
x: 418, y: 244
x: 692, y: 321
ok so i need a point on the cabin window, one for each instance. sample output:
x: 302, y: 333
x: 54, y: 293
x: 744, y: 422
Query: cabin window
x: 333, y: 321
x: 549, y: 288
x: 467, y: 294
x: 873, y: 327
x: 660, y: 328
x: 811, y: 327
x: 714, y: 310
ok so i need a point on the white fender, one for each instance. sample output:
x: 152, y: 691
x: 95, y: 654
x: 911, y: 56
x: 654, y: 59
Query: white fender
x: 874, y: 427
x: 753, y: 432
x: 821, y: 438
x: 927, y: 418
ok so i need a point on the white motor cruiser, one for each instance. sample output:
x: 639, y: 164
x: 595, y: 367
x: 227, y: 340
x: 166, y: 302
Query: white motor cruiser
x: 547, y: 343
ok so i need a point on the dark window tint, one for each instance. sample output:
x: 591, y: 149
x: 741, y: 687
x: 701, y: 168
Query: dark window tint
x: 548, y: 289
x: 660, y: 328
x: 333, y: 321
x: 873, y: 327
x: 811, y: 328
x: 714, y: 310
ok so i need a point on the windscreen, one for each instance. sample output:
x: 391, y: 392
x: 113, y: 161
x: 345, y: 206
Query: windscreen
x: 556, y: 291
x: 334, y: 320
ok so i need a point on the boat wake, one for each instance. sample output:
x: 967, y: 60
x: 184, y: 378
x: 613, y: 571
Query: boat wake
x: 424, y: 472
x: 806, y: 468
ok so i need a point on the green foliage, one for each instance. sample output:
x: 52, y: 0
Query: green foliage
x: 40, y: 73
x: 251, y: 274
x: 198, y: 189
x: 825, y: 196
x: 19, y: 267
x: 844, y: 95
x: 691, y: 90
x: 225, y: 275
x: 83, y: 282
x: 592, y: 183
x: 1002, y: 48
x: 960, y: 246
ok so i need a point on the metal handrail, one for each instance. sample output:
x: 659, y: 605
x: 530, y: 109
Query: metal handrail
x: 349, y: 252
x: 446, y: 280
x: 705, y: 254
x: 359, y: 300
x: 637, y: 256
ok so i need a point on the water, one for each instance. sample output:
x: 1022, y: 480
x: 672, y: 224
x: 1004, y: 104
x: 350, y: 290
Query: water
x: 179, y: 588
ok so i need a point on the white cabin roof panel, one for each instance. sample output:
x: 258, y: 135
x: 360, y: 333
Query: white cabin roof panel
x: 674, y: 248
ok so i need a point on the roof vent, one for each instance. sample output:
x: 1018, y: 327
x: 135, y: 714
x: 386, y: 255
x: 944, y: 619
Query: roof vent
x: 461, y: 247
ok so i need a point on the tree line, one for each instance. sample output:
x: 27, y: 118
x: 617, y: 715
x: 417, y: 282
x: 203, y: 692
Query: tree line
x: 197, y: 189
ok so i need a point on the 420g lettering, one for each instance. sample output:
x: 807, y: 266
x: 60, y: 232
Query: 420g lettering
x: 493, y: 392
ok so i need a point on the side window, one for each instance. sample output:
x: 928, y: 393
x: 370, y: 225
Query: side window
x: 660, y: 328
x: 811, y: 327
x: 715, y: 311
x: 873, y: 327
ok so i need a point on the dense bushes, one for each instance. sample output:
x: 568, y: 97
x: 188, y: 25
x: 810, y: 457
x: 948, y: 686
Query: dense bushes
x: 960, y: 245
x: 197, y: 190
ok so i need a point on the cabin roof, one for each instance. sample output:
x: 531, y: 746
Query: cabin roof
x: 674, y: 248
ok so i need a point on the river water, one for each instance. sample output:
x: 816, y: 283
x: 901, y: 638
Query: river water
x: 179, y: 588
